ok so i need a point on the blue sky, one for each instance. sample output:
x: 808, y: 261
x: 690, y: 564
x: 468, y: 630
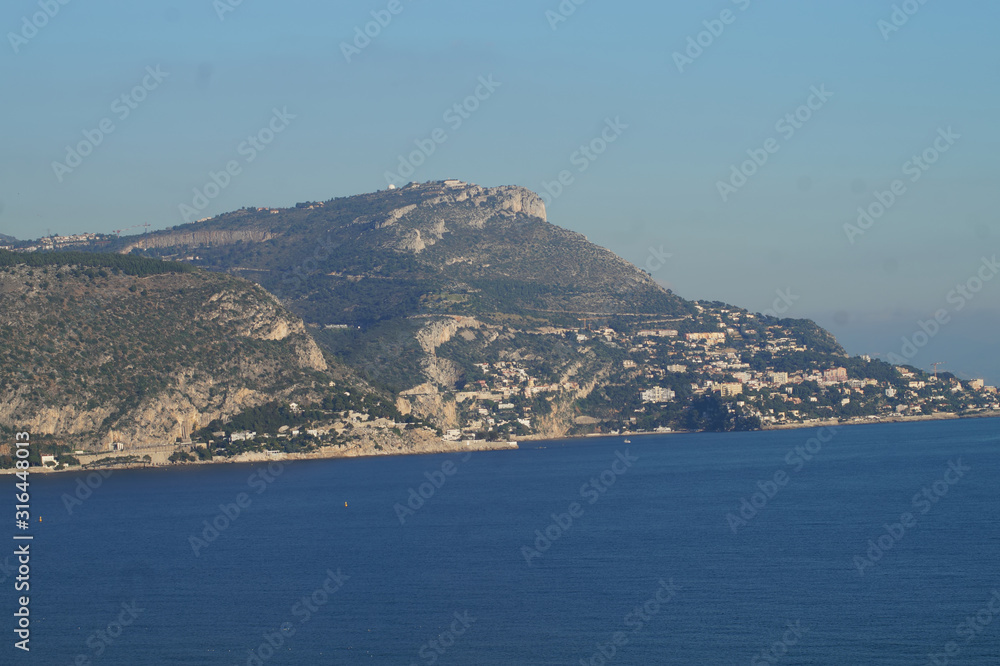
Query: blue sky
x: 656, y: 186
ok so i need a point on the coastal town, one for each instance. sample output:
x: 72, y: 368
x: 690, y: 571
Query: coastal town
x: 755, y: 365
x: 751, y: 363
x: 86, y: 240
x: 493, y: 379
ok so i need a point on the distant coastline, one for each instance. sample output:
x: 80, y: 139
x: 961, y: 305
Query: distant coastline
x: 324, y: 453
x: 938, y: 416
x: 331, y: 453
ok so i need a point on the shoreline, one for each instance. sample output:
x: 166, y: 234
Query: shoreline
x: 324, y: 453
x: 333, y: 453
x: 825, y: 423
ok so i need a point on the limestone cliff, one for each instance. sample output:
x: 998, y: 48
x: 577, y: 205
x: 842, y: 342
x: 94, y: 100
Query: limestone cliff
x: 102, y: 358
x: 199, y: 238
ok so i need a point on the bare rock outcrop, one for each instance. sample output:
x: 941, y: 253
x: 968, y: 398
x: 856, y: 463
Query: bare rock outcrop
x: 152, y: 360
x: 427, y: 402
x: 198, y: 238
x: 440, y: 331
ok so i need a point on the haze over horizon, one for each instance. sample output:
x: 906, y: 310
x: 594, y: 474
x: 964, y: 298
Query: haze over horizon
x: 532, y: 86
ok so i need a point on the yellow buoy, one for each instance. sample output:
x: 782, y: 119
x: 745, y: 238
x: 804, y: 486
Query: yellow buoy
x: 345, y: 505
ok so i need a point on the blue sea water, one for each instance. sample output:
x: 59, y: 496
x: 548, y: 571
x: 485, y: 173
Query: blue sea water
x: 650, y: 570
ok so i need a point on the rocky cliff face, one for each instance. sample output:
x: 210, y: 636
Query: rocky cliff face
x: 415, y: 268
x: 413, y: 288
x: 143, y: 361
x: 507, y: 199
x: 193, y: 239
x: 262, y: 318
x: 427, y: 237
x: 439, y: 331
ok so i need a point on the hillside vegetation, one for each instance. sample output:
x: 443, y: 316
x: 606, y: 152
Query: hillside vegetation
x: 459, y: 306
x: 96, y: 355
x: 414, y: 288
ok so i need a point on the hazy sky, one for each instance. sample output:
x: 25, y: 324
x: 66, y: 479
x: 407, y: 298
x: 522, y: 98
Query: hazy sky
x: 201, y: 77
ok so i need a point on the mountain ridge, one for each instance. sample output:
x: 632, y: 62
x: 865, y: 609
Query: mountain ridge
x: 463, y: 307
x: 378, y: 274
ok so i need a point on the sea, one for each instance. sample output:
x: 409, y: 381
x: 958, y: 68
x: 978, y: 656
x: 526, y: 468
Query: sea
x: 875, y: 544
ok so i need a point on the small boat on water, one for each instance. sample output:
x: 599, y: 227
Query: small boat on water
x: 628, y: 441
